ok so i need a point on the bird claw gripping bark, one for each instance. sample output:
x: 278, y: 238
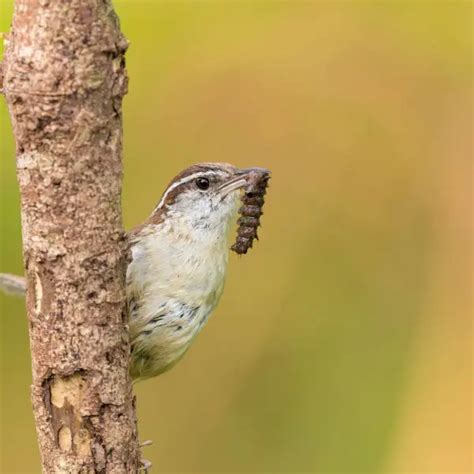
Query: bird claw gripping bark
x: 251, y: 210
x: 145, y: 465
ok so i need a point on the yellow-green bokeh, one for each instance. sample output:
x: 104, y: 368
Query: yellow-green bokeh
x: 342, y: 342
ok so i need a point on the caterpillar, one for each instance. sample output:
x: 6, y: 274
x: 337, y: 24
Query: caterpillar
x: 251, y: 211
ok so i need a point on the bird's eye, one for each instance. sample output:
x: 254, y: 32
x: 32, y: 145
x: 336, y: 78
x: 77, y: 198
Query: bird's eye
x: 202, y: 183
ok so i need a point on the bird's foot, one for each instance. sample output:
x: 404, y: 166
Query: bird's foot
x: 144, y: 465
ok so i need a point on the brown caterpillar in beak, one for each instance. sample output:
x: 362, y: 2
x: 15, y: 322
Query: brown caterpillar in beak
x: 251, y: 210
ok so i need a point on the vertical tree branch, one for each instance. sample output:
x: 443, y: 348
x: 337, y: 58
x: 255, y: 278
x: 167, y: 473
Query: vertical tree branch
x: 64, y: 80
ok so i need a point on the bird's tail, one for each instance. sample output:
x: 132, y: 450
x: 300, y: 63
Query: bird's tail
x: 12, y: 284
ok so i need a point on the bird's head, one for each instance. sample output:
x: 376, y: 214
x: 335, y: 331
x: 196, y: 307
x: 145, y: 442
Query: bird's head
x: 205, y: 196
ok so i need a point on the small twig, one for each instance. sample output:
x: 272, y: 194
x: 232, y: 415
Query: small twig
x: 14, y: 285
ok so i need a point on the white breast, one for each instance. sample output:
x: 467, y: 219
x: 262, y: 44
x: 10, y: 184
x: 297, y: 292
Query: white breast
x: 173, y: 286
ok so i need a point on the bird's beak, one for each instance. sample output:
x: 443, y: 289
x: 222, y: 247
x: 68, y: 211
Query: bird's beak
x: 241, y: 179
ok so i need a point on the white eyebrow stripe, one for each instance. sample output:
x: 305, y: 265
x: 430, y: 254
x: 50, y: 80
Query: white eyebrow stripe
x: 182, y: 181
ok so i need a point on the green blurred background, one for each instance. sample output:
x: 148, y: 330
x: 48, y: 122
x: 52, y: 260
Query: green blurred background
x: 343, y: 340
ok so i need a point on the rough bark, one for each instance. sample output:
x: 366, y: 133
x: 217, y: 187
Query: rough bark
x: 64, y: 80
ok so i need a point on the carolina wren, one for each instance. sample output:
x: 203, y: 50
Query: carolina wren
x: 179, y: 261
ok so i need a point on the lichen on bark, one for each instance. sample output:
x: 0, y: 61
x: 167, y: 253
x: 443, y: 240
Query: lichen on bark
x: 64, y: 80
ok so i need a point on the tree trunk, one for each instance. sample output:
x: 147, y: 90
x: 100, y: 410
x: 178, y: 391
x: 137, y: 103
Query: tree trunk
x: 64, y: 80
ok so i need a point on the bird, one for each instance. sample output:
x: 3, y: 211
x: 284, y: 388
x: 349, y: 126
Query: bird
x: 179, y: 257
x: 179, y: 262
